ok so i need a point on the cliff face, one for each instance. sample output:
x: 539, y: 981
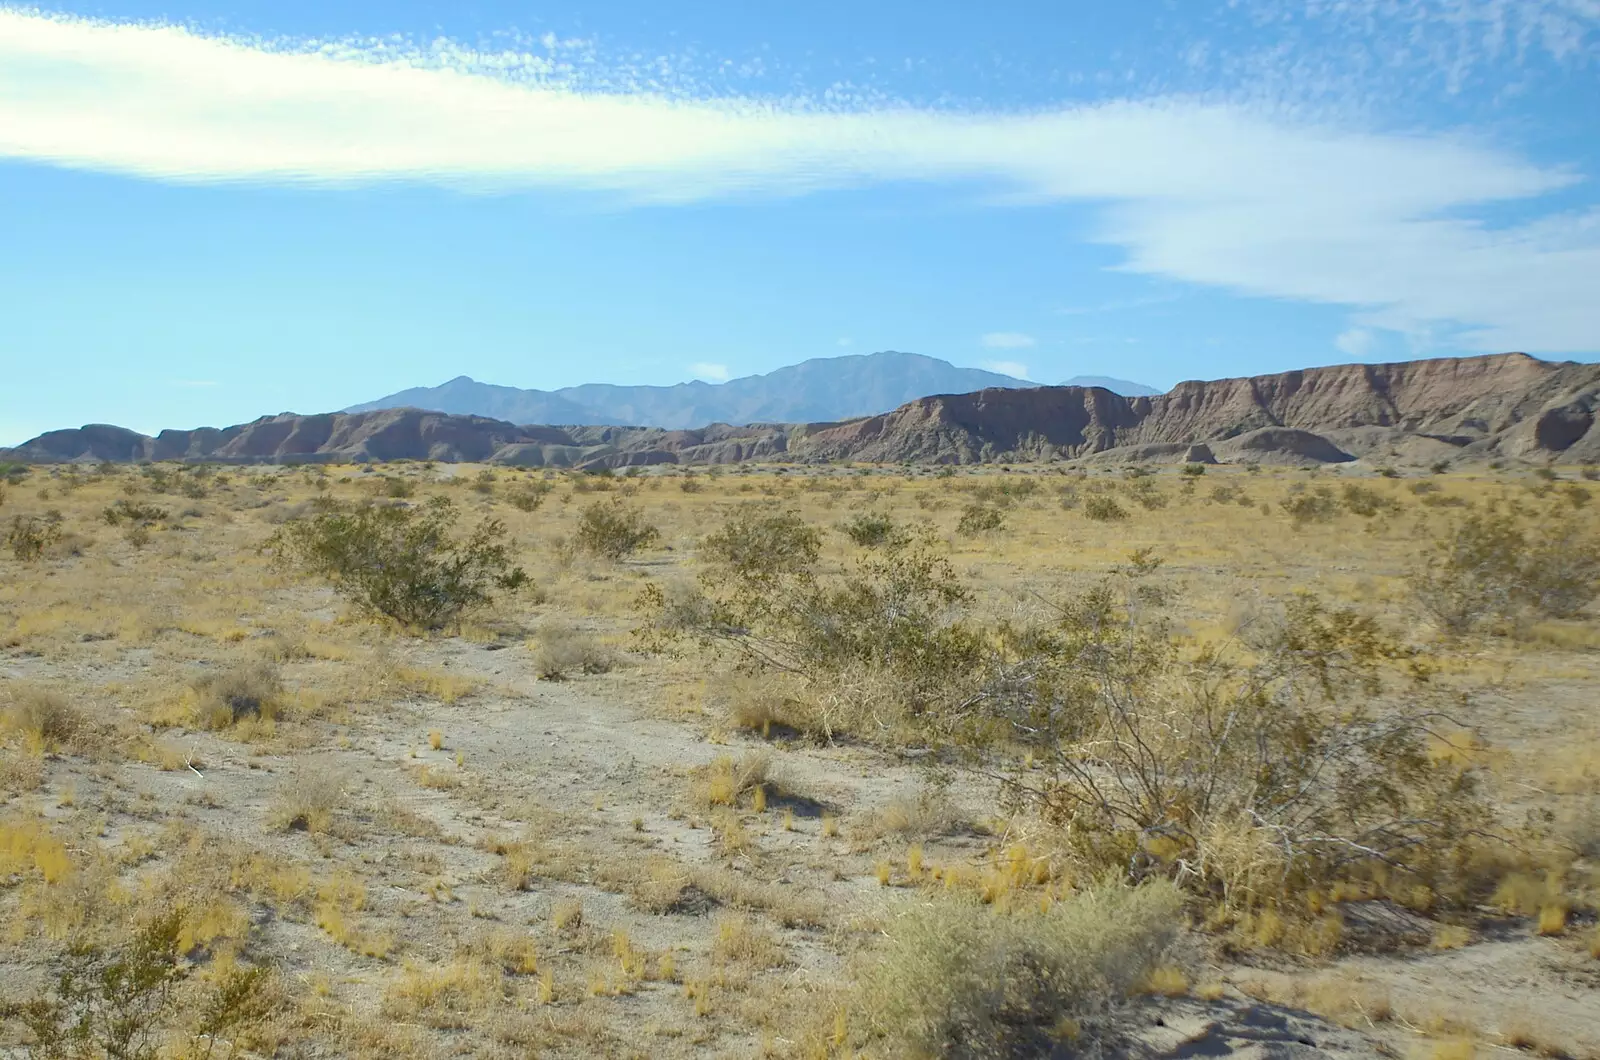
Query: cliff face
x: 1507, y: 404
x: 1420, y: 396
x: 1065, y: 421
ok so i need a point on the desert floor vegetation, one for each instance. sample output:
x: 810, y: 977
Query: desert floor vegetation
x: 424, y: 760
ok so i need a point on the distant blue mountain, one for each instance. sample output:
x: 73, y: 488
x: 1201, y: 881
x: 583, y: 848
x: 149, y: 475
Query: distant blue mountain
x: 1116, y: 386
x: 820, y: 390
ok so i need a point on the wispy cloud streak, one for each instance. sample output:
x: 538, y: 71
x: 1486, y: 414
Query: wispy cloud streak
x: 1226, y: 195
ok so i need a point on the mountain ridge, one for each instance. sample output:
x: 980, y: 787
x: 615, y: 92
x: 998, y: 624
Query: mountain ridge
x: 821, y: 389
x: 1498, y: 405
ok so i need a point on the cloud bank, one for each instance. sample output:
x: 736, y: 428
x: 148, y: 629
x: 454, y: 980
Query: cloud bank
x: 714, y: 373
x: 1015, y: 369
x: 1007, y: 340
x: 1232, y: 196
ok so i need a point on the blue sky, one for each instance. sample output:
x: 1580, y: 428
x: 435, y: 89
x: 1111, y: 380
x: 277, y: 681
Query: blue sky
x: 216, y: 209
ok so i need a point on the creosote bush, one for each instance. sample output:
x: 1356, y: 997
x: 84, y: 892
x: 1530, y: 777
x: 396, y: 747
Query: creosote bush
x: 1492, y: 567
x: 1311, y: 506
x: 871, y: 529
x: 978, y: 519
x: 30, y: 535
x: 612, y: 529
x: 527, y: 496
x: 873, y: 643
x: 755, y: 541
x: 126, y: 1002
x: 125, y: 511
x: 1104, y: 509
x: 403, y: 562
x: 1246, y: 777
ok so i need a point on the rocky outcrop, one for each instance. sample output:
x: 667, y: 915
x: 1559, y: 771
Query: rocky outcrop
x: 1507, y: 405
x: 1042, y: 423
x: 1282, y: 445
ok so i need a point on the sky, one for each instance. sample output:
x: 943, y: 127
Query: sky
x: 212, y: 210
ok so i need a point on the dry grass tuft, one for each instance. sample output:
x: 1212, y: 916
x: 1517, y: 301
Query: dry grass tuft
x: 955, y: 971
x: 453, y: 996
x: 744, y: 944
x: 46, y: 720
x: 306, y: 801
x: 560, y: 650
x: 726, y: 780
x: 252, y: 690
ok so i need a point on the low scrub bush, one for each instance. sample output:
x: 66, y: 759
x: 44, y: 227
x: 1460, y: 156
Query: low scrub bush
x: 1144, y: 493
x: 1103, y: 509
x: 613, y: 530
x: 1359, y: 500
x: 528, y: 496
x: 1492, y: 567
x: 560, y: 651
x: 1247, y: 776
x: 1300, y: 761
x: 1311, y: 506
x: 757, y: 542
x: 248, y: 690
x: 395, y: 487
x: 871, y: 529
x: 132, y: 513
x: 979, y: 519
x: 403, y: 562
x: 30, y: 535
x: 126, y: 1002
x: 45, y: 719
x: 883, y: 633
x: 306, y: 802
x: 958, y: 979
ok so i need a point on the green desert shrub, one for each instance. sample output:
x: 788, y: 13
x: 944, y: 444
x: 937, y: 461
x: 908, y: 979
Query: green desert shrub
x: 129, y: 1001
x: 403, y: 562
x: 1359, y: 500
x: 1247, y: 776
x: 30, y: 535
x: 887, y: 629
x: 124, y: 511
x: 1104, y: 509
x: 757, y: 541
x: 613, y: 530
x: 1493, y: 565
x: 1310, y: 506
x: 979, y: 519
x: 871, y: 529
x: 527, y: 496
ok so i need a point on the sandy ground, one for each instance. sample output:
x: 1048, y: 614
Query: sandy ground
x: 590, y: 782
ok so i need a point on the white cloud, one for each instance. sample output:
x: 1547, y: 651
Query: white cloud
x: 1007, y: 340
x: 847, y: 342
x: 1253, y: 200
x: 716, y: 373
x: 1016, y: 369
x: 1357, y: 342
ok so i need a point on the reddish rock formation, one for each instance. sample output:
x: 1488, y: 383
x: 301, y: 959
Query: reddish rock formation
x: 1502, y: 405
